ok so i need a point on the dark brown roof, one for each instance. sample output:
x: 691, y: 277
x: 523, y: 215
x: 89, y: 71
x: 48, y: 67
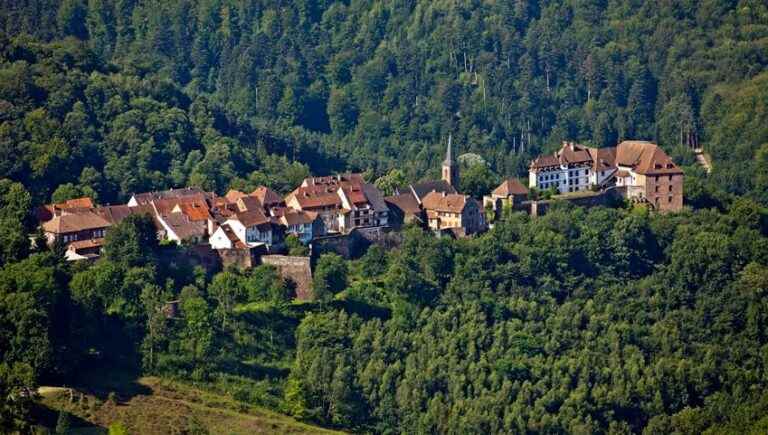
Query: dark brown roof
x: 405, y: 202
x: 236, y: 242
x: 316, y: 196
x: 297, y: 218
x: 510, y: 186
x: 70, y: 223
x: 86, y: 244
x: 333, y: 180
x: 249, y: 203
x: 423, y: 188
x: 144, y: 198
x: 251, y: 218
x: 184, y: 227
x: 267, y: 196
x: 645, y: 158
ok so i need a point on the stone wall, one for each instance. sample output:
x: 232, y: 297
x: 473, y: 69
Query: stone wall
x: 295, y: 269
x: 607, y: 198
x: 356, y: 243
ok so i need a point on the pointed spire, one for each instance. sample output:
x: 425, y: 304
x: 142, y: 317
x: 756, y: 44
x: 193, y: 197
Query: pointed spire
x: 449, y: 152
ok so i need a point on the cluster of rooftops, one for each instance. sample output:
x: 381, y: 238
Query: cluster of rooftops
x: 338, y: 204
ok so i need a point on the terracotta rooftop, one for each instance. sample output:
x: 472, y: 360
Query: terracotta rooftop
x: 184, y: 227
x: 249, y: 203
x: 251, y: 218
x: 236, y: 242
x: 267, y: 196
x: 70, y: 223
x: 297, y: 218
x: 510, y: 186
x: 406, y: 202
x: 48, y: 211
x: 645, y: 158
x: 441, y: 202
x: 234, y: 195
x: 316, y: 196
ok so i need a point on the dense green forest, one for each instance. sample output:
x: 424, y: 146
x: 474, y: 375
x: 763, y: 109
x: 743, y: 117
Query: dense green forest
x: 202, y: 91
x: 583, y: 321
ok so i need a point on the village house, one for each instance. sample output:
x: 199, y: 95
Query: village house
x: 573, y: 168
x: 405, y: 209
x: 343, y: 201
x: 47, y: 212
x: 185, y: 192
x: 305, y: 225
x: 184, y: 219
x: 641, y: 170
x: 268, y: 198
x: 252, y: 228
x: 509, y: 194
x: 648, y: 174
x: 459, y: 213
x: 71, y: 227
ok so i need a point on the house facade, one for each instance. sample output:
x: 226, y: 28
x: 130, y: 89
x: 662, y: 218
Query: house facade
x: 573, y: 168
x: 453, y: 211
x: 641, y: 170
x: 72, y: 227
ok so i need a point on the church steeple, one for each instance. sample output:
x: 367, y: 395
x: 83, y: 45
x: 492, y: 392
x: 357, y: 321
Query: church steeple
x: 450, y: 168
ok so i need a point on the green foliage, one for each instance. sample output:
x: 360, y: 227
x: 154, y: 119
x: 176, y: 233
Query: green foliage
x: 295, y: 247
x: 132, y: 242
x: 478, y: 180
x: 63, y: 423
x: 329, y: 276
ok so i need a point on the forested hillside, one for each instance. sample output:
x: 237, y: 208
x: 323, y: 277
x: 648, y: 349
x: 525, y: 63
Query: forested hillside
x: 381, y: 84
x: 582, y: 321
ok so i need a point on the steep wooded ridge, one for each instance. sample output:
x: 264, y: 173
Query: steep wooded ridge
x: 580, y: 321
x: 381, y: 84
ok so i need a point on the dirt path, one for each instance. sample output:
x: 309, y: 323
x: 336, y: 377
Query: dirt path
x: 703, y: 159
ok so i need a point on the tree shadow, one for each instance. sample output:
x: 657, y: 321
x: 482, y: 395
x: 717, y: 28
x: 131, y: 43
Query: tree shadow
x: 45, y: 416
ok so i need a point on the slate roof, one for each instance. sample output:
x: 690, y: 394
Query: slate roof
x: 420, y: 190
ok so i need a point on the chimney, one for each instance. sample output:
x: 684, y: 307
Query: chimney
x: 573, y: 146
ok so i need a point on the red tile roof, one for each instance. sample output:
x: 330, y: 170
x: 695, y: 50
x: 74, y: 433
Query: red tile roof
x: 510, y: 186
x: 645, y: 158
x: 450, y: 203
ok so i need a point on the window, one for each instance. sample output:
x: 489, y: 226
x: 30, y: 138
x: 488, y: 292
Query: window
x: 669, y: 199
x: 657, y: 188
x: 670, y: 178
x: 670, y: 187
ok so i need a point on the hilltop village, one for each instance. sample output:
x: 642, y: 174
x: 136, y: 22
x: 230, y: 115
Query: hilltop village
x: 326, y: 212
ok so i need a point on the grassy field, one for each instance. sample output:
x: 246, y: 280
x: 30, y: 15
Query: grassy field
x: 149, y: 405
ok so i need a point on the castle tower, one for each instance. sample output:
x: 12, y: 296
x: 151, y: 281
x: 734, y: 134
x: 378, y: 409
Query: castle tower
x: 450, y: 168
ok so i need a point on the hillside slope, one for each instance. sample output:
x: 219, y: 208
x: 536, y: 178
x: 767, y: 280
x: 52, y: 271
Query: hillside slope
x: 156, y: 406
